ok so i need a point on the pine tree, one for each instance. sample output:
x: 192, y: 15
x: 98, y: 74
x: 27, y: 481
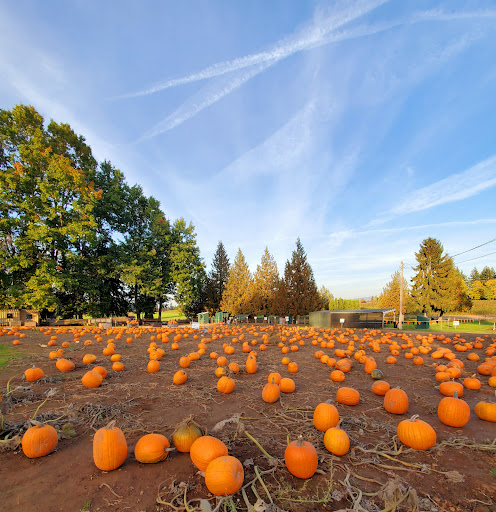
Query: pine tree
x: 299, y: 283
x: 264, y: 285
x: 236, y: 297
x: 474, y: 276
x: 486, y: 274
x: 390, y: 296
x: 325, y: 298
x: 434, y: 282
x: 217, y: 279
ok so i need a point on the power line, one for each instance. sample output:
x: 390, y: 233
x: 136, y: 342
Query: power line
x: 473, y: 248
x: 478, y: 257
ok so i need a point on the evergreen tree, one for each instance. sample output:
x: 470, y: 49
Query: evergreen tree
x: 264, y: 285
x: 434, y: 282
x: 236, y: 297
x: 486, y: 274
x: 299, y: 283
x: 390, y: 296
x: 217, y: 279
x: 474, y: 276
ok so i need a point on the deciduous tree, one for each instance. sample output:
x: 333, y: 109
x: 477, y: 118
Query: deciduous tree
x: 264, y: 285
x: 236, y: 298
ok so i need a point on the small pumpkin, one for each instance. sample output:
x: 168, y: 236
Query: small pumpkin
x: 101, y: 370
x: 185, y: 434
x: 453, y: 411
x: 271, y: 392
x: 180, y: 377
x: 292, y: 367
x: 92, y: 379
x: 153, y: 366
x: 226, y: 385
x: 109, y: 447
x: 33, y: 374
x: 486, y: 411
x: 325, y: 416
x: 64, y: 365
x: 287, y: 385
x: 251, y: 365
x: 396, y: 401
x: 347, y: 396
x: 336, y: 441
x: 449, y: 388
x: 472, y: 383
x: 301, y: 458
x: 416, y: 433
x: 152, y: 448
x: 274, y: 377
x: 205, y: 449
x: 376, y: 374
x: 380, y: 387
x: 89, y: 358
x: 224, y: 475
x: 39, y: 440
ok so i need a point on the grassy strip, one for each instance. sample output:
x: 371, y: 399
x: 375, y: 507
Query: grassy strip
x: 482, y: 327
x: 6, y: 355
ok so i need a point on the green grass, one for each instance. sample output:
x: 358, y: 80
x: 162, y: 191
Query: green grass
x: 6, y: 355
x: 173, y: 314
x: 482, y: 327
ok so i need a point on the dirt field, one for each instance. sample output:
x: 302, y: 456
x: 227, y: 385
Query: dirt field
x: 377, y: 474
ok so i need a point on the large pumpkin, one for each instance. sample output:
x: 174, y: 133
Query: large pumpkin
x: 416, y: 434
x: 39, y: 440
x: 33, y: 374
x: 325, y: 416
x: 347, y: 396
x: 109, y: 447
x: 151, y: 448
x: 453, y: 411
x: 301, y: 458
x: 486, y: 411
x: 287, y: 385
x: 396, y: 401
x: 224, y: 475
x: 205, y: 449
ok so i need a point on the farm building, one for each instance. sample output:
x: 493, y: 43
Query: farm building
x: 357, y: 319
x: 19, y: 317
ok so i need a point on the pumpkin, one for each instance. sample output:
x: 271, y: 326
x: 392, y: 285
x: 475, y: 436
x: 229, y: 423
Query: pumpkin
x: 101, y: 370
x: 274, y: 377
x: 301, y: 458
x: 33, y: 374
x: 271, y: 392
x: 370, y: 365
x: 292, y: 367
x: 64, y: 365
x: 347, y: 396
x: 109, y: 447
x: 337, y: 376
x: 39, y: 440
x: 224, y: 475
x: 380, y: 387
x: 449, y: 388
x: 453, y: 411
x: 220, y: 371
x: 336, y: 441
x: 472, y: 382
x: 153, y: 366
x: 396, y: 401
x: 180, y: 377
x: 233, y: 367
x: 325, y: 416
x: 92, y: 379
x: 287, y: 385
x: 376, y: 374
x: 226, y: 385
x: 416, y: 434
x: 251, y: 365
x: 152, y: 448
x: 89, y: 358
x: 186, y: 433
x: 118, y: 366
x: 486, y: 411
x: 205, y: 449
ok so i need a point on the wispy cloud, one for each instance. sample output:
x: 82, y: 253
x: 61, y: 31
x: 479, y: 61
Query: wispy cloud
x: 456, y: 187
x: 307, y: 38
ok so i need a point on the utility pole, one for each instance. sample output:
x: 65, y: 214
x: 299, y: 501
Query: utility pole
x: 400, y: 322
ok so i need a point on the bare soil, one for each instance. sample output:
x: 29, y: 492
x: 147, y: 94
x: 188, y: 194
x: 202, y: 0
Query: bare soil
x: 377, y: 474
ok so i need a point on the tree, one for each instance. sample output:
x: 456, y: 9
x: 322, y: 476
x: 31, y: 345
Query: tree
x: 236, y: 298
x: 486, y: 274
x: 299, y: 284
x: 490, y: 289
x: 325, y: 298
x: 217, y: 279
x: 264, y: 285
x: 390, y: 296
x: 474, y: 276
x: 188, y: 270
x: 477, y: 290
x: 434, y: 282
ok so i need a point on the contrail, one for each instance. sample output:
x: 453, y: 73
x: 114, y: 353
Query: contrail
x: 312, y: 37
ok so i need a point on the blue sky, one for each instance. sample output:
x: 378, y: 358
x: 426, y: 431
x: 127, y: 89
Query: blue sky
x: 361, y: 126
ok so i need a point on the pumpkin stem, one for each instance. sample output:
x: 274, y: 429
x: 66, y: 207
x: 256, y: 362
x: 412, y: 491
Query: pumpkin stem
x: 414, y: 417
x: 455, y: 394
x: 110, y: 425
